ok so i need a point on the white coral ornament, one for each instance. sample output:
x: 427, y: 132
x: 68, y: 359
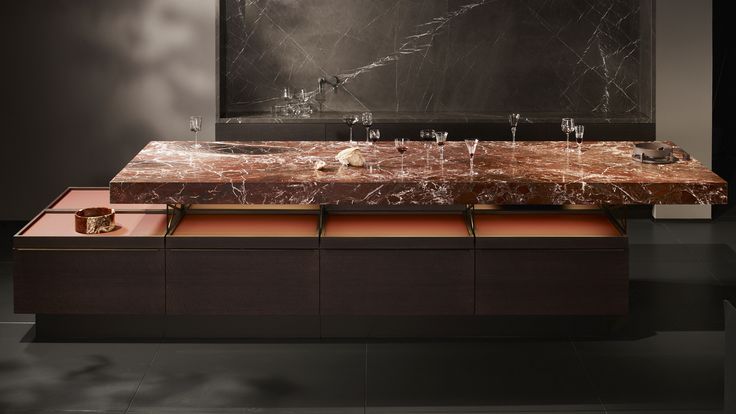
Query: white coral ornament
x: 351, y: 156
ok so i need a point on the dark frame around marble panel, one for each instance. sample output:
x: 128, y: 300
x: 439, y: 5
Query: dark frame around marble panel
x: 561, y: 57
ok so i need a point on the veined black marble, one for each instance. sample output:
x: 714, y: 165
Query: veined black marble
x: 438, y: 56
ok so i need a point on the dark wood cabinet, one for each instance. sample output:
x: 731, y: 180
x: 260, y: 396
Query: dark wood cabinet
x: 98, y: 281
x: 396, y: 282
x: 58, y: 271
x: 535, y: 263
x: 310, y: 272
x: 242, y: 282
x: 551, y: 282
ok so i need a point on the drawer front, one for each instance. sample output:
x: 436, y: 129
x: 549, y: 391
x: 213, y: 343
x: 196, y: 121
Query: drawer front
x: 551, y: 282
x: 396, y: 282
x: 89, y: 281
x: 242, y: 282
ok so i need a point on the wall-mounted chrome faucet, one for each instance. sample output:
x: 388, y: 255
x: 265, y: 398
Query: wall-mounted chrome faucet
x: 320, y: 95
x: 321, y: 83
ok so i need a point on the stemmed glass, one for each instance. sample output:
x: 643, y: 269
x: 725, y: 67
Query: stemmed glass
x: 441, y: 137
x: 472, y: 144
x: 401, y: 145
x: 427, y: 135
x: 374, y: 135
x: 366, y: 119
x: 514, y: 121
x: 195, y: 125
x: 568, y: 126
x: 579, y: 131
x: 351, y: 120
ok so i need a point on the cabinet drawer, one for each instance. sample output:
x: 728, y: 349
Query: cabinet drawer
x: 396, y: 282
x: 551, y: 282
x: 242, y: 282
x: 96, y: 281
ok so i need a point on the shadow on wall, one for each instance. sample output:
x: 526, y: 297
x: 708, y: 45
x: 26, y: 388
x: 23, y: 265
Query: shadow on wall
x: 88, y: 84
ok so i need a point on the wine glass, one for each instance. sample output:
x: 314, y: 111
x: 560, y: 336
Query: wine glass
x: 514, y: 121
x: 374, y: 135
x: 366, y: 119
x: 351, y: 120
x: 441, y: 137
x: 471, y: 144
x: 568, y: 126
x: 427, y: 135
x: 401, y: 145
x: 195, y: 125
x: 579, y: 131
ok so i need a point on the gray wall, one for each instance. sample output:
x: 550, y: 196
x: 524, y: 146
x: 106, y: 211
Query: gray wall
x: 86, y: 84
x: 684, y: 79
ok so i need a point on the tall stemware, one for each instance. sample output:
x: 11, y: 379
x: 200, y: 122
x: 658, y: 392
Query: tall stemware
x: 350, y: 120
x: 195, y: 125
x: 441, y: 137
x: 402, y: 146
x: 579, y: 132
x: 472, y: 145
x: 427, y: 135
x: 366, y: 119
x: 568, y: 126
x: 514, y: 121
x: 374, y: 135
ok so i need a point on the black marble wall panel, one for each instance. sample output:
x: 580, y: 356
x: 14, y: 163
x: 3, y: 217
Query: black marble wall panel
x: 476, y: 56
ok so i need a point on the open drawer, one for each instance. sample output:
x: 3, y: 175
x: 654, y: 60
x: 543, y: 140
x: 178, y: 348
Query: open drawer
x: 59, y: 271
x: 75, y: 198
x: 550, y: 263
x: 396, y: 264
x: 243, y: 264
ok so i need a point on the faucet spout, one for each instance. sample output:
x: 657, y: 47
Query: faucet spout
x: 322, y: 81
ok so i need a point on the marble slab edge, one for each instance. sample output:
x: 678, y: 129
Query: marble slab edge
x: 395, y: 194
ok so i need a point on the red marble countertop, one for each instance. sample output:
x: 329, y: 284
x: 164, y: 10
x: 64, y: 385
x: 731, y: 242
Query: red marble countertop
x: 279, y: 172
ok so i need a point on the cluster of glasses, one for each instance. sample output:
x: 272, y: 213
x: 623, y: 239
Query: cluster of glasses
x: 568, y: 127
x: 298, y: 106
x: 366, y: 119
x: 439, y: 137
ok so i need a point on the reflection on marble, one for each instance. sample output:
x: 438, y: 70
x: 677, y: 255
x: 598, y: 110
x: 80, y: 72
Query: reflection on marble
x: 271, y: 172
x: 439, y: 56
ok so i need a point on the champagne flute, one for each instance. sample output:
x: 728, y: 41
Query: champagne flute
x: 367, y: 121
x: 351, y: 120
x: 195, y: 125
x: 472, y: 145
x: 441, y: 137
x: 427, y: 135
x: 579, y: 131
x: 514, y: 121
x: 568, y: 126
x: 401, y: 145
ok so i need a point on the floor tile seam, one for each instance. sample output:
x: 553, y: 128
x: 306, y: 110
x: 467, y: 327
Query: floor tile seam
x: 143, y: 377
x: 589, y: 377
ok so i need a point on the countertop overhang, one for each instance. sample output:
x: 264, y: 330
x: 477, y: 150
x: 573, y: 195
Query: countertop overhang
x: 534, y: 173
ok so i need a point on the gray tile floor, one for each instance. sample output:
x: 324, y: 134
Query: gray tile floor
x: 666, y: 357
